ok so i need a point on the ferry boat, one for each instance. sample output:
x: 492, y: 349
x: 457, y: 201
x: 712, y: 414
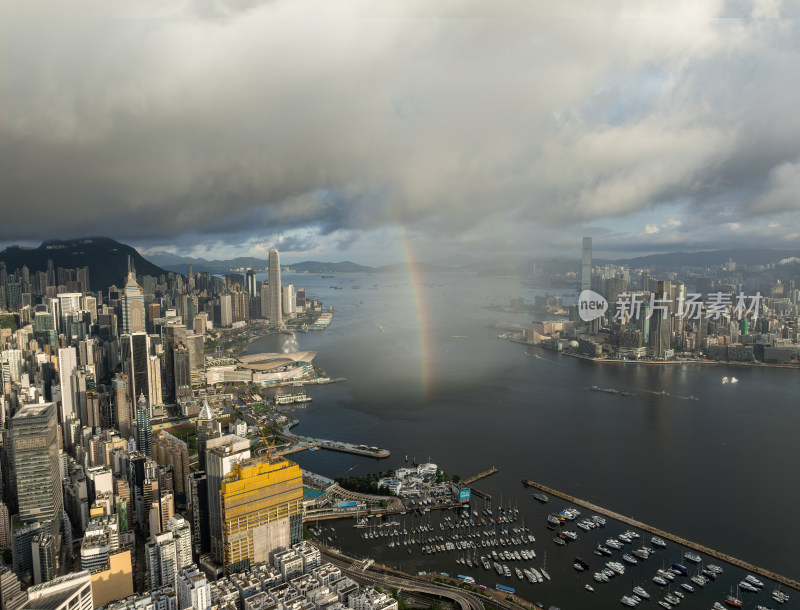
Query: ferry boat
x: 288, y: 399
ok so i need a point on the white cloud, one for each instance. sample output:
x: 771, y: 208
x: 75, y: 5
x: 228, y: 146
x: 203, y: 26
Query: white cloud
x: 651, y: 229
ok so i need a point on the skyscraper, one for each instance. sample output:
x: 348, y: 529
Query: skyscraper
x: 34, y: 456
x: 67, y: 363
x: 251, y: 283
x: 586, y: 264
x: 225, y: 310
x: 221, y: 455
x: 144, y: 431
x: 262, y: 506
x: 275, y: 317
x: 122, y: 411
x: 138, y: 364
x: 132, y: 304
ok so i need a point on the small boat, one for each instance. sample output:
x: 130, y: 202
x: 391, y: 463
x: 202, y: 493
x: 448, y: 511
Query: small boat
x: 688, y: 587
x: 664, y: 604
x: 733, y: 601
x: 628, y: 601
x: 641, y: 592
x: 693, y: 557
x: 541, y: 498
x: 589, y: 587
x: 659, y: 542
x: 753, y: 580
x: 659, y: 581
x: 748, y: 587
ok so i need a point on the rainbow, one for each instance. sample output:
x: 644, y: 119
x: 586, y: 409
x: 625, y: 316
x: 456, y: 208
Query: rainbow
x: 421, y: 311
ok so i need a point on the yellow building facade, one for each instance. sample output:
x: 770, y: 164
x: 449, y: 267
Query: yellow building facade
x: 262, y: 510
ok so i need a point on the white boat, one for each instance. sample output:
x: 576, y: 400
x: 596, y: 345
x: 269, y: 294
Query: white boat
x: 641, y: 592
x: 628, y: 601
x: 589, y: 587
x: 659, y: 542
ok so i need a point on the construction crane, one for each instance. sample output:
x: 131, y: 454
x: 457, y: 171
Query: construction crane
x: 269, y: 445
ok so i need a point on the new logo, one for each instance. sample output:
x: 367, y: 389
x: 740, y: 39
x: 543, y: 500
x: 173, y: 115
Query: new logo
x: 591, y: 305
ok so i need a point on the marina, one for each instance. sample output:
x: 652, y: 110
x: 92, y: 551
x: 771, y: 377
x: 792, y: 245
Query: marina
x: 661, y: 535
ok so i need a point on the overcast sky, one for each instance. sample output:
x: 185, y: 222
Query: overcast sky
x: 339, y: 130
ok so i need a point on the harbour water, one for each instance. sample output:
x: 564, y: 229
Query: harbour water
x: 429, y: 377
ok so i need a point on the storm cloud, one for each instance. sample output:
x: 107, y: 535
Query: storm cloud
x: 472, y: 124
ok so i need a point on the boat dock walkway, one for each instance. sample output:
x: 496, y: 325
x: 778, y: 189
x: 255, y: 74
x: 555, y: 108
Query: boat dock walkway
x: 666, y: 535
x: 480, y: 475
x: 481, y: 494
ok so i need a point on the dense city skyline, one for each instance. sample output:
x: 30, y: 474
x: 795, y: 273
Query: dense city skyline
x: 367, y: 132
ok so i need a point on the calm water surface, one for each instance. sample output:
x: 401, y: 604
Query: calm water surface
x: 429, y: 377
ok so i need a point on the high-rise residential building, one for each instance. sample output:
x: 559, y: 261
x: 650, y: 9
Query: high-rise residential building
x: 132, y: 304
x: 182, y: 534
x: 264, y: 294
x: 67, y: 363
x: 261, y: 510
x: 194, y: 590
x: 122, y: 410
x: 225, y: 310
x: 161, y: 560
x: 182, y: 373
x: 69, y: 303
x: 33, y: 452
x: 221, y: 455
x: 144, y: 431
x: 154, y: 379
x: 275, y: 318
x: 171, y: 451
x: 289, y: 301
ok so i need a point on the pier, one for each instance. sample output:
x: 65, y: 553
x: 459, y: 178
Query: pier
x: 480, y: 475
x: 666, y: 535
x: 481, y: 494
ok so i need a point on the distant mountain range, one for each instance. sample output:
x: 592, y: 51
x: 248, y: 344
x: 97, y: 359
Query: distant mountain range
x: 180, y: 264
x: 741, y: 256
x: 106, y: 258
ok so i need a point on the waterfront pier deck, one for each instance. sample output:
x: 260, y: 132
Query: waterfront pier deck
x: 481, y: 494
x: 480, y: 475
x: 666, y: 535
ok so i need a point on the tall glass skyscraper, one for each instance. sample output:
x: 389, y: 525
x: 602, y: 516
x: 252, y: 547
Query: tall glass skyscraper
x: 275, y: 317
x: 586, y: 264
x: 34, y: 459
x: 132, y: 304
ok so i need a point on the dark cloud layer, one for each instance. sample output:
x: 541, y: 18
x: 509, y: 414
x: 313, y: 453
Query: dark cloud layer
x: 473, y: 126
